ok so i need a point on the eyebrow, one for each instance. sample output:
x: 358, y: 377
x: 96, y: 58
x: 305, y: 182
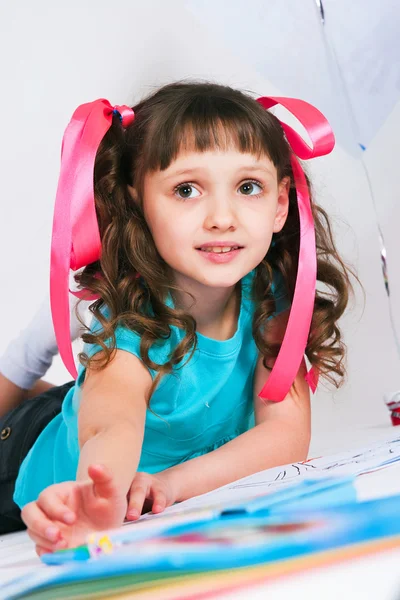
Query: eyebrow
x: 200, y: 170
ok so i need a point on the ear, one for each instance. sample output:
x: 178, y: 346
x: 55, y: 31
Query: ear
x: 282, y: 208
x: 134, y: 194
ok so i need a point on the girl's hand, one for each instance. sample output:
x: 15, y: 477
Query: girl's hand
x: 65, y: 513
x: 149, y: 492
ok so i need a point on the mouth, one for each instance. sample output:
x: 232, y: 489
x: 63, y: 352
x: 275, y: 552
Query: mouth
x: 219, y: 249
x: 220, y: 254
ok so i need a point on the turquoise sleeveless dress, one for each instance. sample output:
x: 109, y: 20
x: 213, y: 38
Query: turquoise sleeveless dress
x: 193, y: 411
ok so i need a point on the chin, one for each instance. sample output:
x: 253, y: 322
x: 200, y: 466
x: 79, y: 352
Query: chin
x: 220, y: 280
x: 213, y: 276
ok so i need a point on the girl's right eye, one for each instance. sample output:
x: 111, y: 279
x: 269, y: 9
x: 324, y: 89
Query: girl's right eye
x: 183, y: 191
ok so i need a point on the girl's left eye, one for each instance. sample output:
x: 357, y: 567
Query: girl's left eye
x: 248, y: 186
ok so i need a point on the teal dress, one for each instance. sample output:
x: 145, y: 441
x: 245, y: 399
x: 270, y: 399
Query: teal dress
x: 194, y: 410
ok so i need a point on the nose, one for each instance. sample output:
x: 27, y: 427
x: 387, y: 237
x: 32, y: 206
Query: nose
x: 221, y: 214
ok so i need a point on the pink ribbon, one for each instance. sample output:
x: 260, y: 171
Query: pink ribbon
x: 294, y: 342
x: 76, y: 238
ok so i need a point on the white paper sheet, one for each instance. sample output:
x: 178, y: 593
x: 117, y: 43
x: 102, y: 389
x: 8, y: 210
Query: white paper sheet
x: 356, y: 462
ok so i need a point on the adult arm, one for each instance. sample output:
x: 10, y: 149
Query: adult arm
x: 29, y: 356
x: 11, y: 395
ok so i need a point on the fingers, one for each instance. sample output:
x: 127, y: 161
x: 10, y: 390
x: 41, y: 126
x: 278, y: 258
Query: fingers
x: 44, y: 550
x: 137, y: 497
x: 54, y: 508
x: 103, y: 481
x: 41, y: 550
x: 40, y: 528
x: 143, y: 487
x: 159, y: 501
x: 61, y: 544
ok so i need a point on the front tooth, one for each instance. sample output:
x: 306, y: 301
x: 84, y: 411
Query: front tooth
x: 219, y: 249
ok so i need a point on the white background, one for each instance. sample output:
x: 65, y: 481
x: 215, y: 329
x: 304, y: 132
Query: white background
x: 55, y: 56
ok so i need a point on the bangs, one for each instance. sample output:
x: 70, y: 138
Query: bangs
x: 206, y: 123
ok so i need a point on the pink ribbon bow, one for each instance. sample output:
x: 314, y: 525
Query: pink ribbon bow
x: 295, y: 339
x: 76, y: 238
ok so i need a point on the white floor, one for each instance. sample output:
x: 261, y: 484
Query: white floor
x: 369, y: 578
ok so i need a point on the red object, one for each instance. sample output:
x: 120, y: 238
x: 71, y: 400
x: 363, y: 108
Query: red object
x: 393, y: 404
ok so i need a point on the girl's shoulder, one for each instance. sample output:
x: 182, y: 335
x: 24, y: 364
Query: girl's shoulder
x: 125, y: 338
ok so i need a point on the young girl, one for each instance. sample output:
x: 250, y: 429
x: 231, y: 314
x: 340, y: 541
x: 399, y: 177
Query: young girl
x: 202, y: 258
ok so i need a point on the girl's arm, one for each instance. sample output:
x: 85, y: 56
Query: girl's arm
x: 110, y: 431
x: 112, y: 416
x: 281, y: 435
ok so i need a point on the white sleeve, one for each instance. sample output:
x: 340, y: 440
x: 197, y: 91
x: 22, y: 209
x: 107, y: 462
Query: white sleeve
x: 31, y: 353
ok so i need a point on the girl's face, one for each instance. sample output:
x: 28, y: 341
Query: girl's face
x: 214, y: 197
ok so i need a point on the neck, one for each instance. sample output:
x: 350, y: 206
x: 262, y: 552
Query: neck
x: 215, y: 310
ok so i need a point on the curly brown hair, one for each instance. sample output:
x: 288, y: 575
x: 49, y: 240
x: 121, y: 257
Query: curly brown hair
x: 164, y: 121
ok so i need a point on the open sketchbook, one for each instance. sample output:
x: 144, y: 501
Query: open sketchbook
x: 354, y: 463
x: 238, y: 526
